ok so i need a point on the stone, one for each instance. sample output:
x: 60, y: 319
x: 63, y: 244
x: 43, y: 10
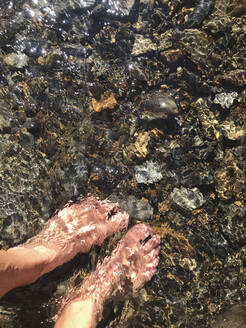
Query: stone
x: 143, y: 45
x: 158, y: 106
x: 187, y: 198
x: 118, y: 9
x: 18, y: 60
x: 5, y: 118
x: 232, y: 317
x: 137, y: 208
x: 148, y: 173
x: 107, y: 101
x: 225, y: 100
x: 231, y: 131
x: 141, y: 144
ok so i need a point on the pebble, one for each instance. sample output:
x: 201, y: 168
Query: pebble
x: 148, y: 173
x: 225, y: 100
x: 18, y: 60
x: 107, y: 101
x: 73, y: 175
x: 119, y: 9
x: 137, y: 208
x: 143, y: 45
x: 191, y: 178
x: 5, y: 118
x: 187, y: 198
x: 159, y: 106
x: 231, y: 131
x: 233, y: 317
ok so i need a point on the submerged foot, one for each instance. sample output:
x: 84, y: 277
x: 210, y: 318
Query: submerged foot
x: 76, y: 228
x: 130, y: 266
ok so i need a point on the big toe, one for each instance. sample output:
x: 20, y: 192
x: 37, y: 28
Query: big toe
x: 138, y: 235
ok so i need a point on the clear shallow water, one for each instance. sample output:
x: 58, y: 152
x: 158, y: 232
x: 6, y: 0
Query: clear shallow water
x: 60, y: 63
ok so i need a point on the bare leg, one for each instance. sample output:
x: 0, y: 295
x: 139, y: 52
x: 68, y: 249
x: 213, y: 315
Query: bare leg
x: 130, y: 266
x: 76, y: 228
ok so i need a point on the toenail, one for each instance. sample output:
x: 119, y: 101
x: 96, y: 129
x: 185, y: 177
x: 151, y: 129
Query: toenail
x: 143, y: 242
x: 111, y: 213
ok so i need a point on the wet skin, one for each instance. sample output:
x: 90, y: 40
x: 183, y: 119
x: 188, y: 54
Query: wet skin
x: 75, y: 228
x: 131, y: 265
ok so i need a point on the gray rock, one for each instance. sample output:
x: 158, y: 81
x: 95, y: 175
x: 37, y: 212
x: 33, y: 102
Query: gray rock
x: 17, y: 60
x: 148, y: 173
x: 225, y: 100
x: 232, y: 317
x: 190, y: 178
x: 5, y: 118
x: 136, y: 208
x: 73, y: 175
x: 188, y: 199
x: 119, y: 8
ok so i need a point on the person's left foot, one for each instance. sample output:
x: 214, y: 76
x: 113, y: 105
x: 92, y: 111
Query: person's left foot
x: 76, y: 228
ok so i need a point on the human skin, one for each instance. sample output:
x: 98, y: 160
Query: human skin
x: 74, y: 229
x: 131, y: 265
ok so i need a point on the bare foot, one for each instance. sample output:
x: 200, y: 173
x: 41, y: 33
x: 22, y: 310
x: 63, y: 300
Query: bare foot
x: 130, y: 266
x: 76, y: 228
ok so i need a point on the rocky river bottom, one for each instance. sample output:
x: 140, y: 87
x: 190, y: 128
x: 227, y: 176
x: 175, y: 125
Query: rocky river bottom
x: 142, y: 102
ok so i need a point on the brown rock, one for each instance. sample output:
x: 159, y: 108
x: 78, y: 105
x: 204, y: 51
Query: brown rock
x: 107, y: 101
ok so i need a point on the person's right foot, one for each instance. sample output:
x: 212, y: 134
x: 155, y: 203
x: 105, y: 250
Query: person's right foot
x: 131, y: 265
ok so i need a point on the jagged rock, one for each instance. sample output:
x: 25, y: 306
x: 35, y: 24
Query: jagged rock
x: 188, y: 199
x: 148, y: 173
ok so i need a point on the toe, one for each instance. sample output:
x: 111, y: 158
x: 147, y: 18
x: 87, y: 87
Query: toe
x: 151, y: 243
x: 139, y: 232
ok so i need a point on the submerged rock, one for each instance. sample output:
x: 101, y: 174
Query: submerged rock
x: 118, y: 8
x: 232, y: 317
x: 188, y: 199
x: 148, y: 173
x: 136, y: 208
x: 159, y: 106
x: 18, y: 60
x: 143, y: 45
x: 225, y: 100
x: 201, y: 11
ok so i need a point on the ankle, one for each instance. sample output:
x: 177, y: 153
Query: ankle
x: 79, y: 314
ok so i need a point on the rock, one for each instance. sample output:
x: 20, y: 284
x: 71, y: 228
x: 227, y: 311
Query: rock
x: 165, y: 40
x: 187, y: 198
x: 119, y: 9
x: 233, y: 223
x: 158, y: 106
x: 229, y: 176
x: 137, y: 208
x: 139, y: 148
x: 192, y: 178
x: 201, y: 11
x: 232, y: 317
x: 143, y: 45
x: 237, y: 8
x: 225, y: 100
x: 231, y: 131
x: 5, y: 118
x: 18, y: 60
x: 236, y: 77
x: 105, y: 175
x: 26, y: 191
x: 196, y: 44
x: 219, y: 23
x: 73, y: 175
x: 148, y: 173
x: 107, y: 101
